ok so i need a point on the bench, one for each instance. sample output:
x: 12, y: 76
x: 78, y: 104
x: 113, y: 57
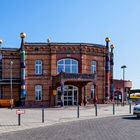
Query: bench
x: 6, y: 102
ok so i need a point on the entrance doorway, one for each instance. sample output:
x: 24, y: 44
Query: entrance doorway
x: 70, y: 95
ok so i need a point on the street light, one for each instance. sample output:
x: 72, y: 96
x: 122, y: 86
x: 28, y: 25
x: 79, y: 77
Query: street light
x: 1, y: 41
x: 123, y: 68
x: 11, y: 64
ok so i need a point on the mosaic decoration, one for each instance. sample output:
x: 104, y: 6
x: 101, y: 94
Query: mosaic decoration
x: 107, y: 71
x: 23, y: 72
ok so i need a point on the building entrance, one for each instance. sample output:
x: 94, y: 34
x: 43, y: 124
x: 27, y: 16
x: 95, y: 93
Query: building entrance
x: 70, y: 95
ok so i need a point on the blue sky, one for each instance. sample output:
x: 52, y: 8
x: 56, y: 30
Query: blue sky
x: 77, y: 21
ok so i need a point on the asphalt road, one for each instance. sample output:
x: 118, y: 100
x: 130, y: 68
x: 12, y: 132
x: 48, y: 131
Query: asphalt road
x: 109, y: 128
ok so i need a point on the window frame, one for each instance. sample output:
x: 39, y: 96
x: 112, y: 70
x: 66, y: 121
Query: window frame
x: 38, y: 67
x: 38, y: 90
x: 71, y: 66
x: 92, y: 91
x: 93, y: 67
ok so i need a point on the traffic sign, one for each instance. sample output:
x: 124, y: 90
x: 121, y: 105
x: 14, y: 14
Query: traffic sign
x: 20, y: 111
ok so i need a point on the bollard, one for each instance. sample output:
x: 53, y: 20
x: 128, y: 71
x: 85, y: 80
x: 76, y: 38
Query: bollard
x: 77, y: 110
x: 42, y: 115
x: 129, y: 108
x: 19, y: 119
x: 19, y: 112
x: 95, y: 109
x: 113, y: 108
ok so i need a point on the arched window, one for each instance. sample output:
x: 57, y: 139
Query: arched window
x: 38, y: 67
x: 67, y: 65
x: 38, y: 92
x: 93, y: 66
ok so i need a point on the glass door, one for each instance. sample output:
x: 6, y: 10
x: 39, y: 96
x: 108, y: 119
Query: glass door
x: 70, y: 95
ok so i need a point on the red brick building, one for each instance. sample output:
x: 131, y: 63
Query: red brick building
x: 78, y: 70
x: 118, y: 89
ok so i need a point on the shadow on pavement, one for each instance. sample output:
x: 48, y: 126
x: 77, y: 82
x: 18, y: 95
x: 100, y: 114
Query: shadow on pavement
x: 9, y: 125
x: 131, y: 117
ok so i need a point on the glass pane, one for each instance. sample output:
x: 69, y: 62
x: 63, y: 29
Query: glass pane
x: 75, y: 94
x: 65, y: 92
x: 60, y: 68
x: 74, y: 62
x: 74, y: 69
x: 67, y: 61
x: 69, y: 102
x: 39, y: 96
x: 70, y: 87
x: 36, y: 69
x: 93, y: 66
x: 65, y: 102
x: 59, y: 92
x: 69, y: 98
x: 40, y: 70
x: 67, y: 69
x: 61, y: 62
x: 36, y: 98
x: 69, y: 93
x: 38, y: 62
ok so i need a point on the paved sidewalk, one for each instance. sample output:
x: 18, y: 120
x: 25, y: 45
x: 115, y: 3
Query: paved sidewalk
x: 33, y: 117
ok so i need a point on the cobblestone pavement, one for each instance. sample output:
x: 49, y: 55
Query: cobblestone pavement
x: 54, y: 116
x: 109, y: 128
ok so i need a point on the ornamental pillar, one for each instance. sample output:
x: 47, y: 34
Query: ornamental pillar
x: 23, y: 72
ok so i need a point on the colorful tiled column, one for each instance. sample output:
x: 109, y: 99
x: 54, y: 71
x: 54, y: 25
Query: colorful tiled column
x: 62, y: 93
x: 111, y: 73
x: 23, y: 72
x: 107, y: 70
x: 85, y: 96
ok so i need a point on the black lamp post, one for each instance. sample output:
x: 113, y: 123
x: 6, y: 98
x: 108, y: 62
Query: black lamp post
x: 123, y: 68
x: 0, y: 68
x: 11, y: 64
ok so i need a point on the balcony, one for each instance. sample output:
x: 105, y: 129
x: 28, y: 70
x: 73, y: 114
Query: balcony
x: 74, y: 77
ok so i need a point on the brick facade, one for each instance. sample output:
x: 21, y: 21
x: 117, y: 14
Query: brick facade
x: 49, y: 54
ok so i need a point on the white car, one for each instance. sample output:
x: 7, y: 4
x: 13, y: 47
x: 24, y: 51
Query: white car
x: 136, y: 110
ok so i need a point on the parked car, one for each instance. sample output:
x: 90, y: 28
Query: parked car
x: 136, y: 110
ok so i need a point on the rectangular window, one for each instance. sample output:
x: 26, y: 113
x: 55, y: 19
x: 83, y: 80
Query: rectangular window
x: 93, y: 66
x: 38, y: 92
x: 38, y: 67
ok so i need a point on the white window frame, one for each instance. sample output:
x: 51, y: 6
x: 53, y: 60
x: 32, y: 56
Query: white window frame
x: 93, y: 66
x: 38, y: 67
x: 92, y: 90
x: 38, y: 92
x: 69, y: 65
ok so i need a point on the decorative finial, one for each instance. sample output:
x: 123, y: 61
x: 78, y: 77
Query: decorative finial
x: 1, y: 41
x: 112, y: 46
x: 107, y: 39
x: 124, y: 66
x: 22, y: 35
x: 49, y: 40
